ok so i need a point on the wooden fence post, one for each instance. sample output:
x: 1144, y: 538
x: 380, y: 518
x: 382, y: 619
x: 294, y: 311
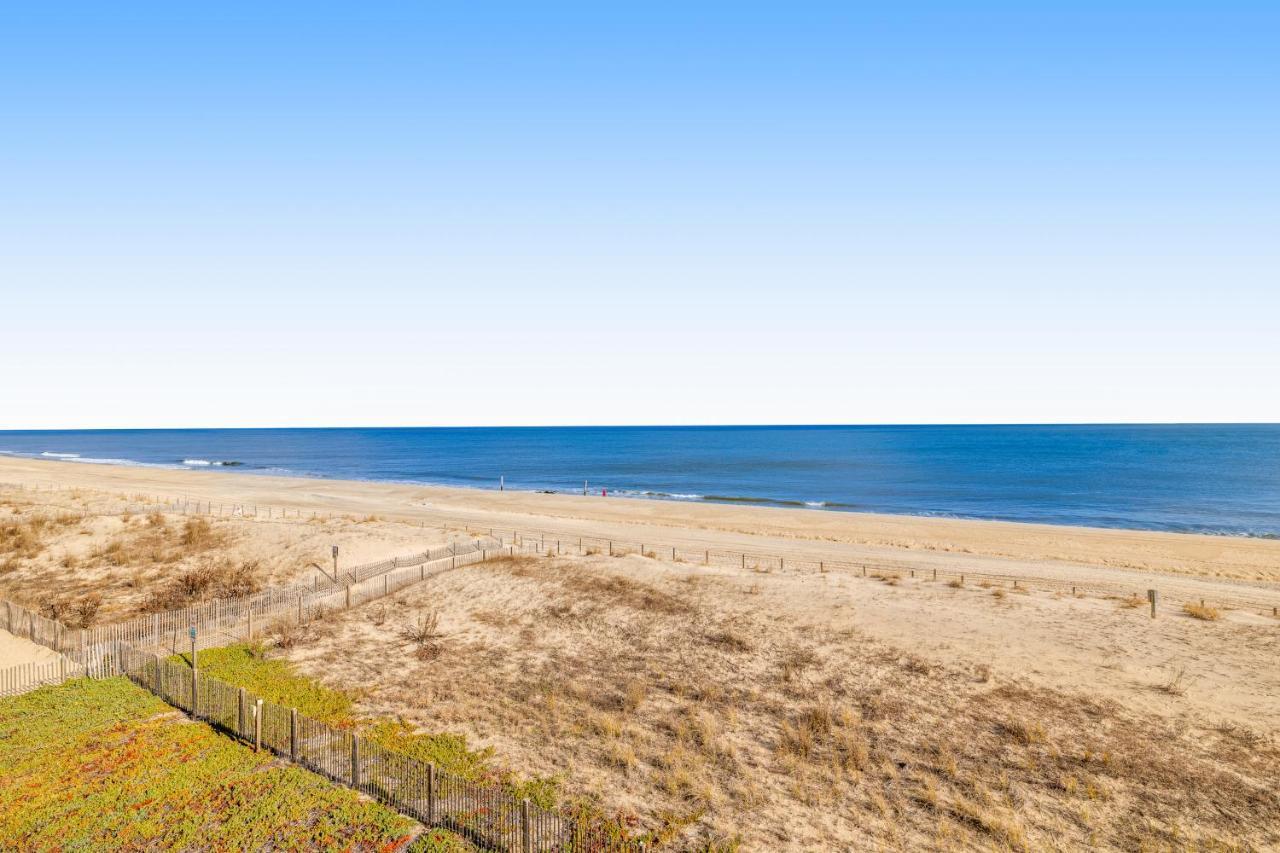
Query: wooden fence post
x: 1151, y: 596
x: 355, y: 762
x: 348, y: 596
x: 526, y: 834
x: 431, y: 794
x: 250, y: 639
x: 195, y: 682
x: 293, y: 734
x: 240, y: 713
x: 257, y: 726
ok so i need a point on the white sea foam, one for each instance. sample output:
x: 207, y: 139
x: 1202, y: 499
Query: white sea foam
x: 61, y: 455
x: 196, y: 462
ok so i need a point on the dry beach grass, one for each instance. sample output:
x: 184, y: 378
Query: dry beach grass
x: 719, y: 709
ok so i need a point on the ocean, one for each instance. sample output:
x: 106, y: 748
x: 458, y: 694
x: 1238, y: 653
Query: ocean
x: 1222, y: 479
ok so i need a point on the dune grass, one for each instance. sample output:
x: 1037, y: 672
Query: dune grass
x: 104, y: 764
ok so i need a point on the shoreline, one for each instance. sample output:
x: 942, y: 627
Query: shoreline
x: 782, y: 529
x: 744, y: 501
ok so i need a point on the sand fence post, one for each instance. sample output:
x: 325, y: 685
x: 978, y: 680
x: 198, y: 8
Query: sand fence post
x: 293, y: 734
x: 526, y: 834
x: 355, y: 762
x: 431, y: 794
x: 257, y: 726
x: 1152, y: 596
x: 240, y: 711
x: 195, y: 677
x: 348, y: 591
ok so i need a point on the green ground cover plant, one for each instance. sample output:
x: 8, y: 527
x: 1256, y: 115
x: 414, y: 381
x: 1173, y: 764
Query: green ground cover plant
x: 96, y: 764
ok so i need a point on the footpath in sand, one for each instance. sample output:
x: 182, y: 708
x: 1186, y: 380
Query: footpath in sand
x: 15, y: 651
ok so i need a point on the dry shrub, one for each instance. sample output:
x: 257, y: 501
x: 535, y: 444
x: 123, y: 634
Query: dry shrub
x: 955, y: 583
x: 78, y: 613
x: 1175, y: 685
x: 795, y: 661
x: 423, y: 629
x: 1025, y: 732
x: 730, y: 639
x: 624, y: 591
x: 1130, y: 603
x: 633, y: 695
x: 1201, y: 611
x: 199, y: 535
x: 156, y: 519
x: 85, y: 610
x: 55, y: 609
x: 424, y: 634
x: 285, y: 633
x: 224, y: 579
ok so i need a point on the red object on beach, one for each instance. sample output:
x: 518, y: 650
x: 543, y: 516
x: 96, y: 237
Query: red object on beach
x: 604, y: 493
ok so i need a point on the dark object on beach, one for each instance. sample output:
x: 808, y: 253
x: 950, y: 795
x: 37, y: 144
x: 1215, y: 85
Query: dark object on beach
x: 546, y: 491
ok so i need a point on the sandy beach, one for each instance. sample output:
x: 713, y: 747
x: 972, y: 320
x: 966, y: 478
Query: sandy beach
x: 837, y: 535
x: 787, y: 708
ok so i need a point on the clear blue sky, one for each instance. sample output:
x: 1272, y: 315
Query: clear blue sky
x: 461, y: 213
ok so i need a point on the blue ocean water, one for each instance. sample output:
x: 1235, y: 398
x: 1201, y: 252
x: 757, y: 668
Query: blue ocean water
x: 1204, y: 478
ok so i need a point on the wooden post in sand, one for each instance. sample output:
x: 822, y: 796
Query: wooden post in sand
x: 526, y: 835
x: 257, y: 726
x: 348, y: 596
x: 240, y: 712
x: 431, y: 794
x: 195, y: 682
x: 1151, y: 596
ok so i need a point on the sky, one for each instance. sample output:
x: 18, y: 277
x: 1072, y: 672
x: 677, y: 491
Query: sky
x: 301, y: 214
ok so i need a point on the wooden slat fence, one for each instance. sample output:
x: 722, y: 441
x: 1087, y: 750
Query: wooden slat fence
x: 220, y: 621
x: 19, y: 679
x: 551, y: 543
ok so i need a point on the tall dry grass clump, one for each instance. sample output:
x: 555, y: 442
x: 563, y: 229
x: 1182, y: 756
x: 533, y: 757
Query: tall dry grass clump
x: 1207, y: 613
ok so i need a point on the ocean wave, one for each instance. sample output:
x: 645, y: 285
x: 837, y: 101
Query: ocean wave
x: 53, y: 455
x: 747, y: 499
x: 201, y: 463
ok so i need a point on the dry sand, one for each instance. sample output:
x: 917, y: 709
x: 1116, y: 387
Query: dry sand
x: 17, y: 650
x: 835, y: 535
x: 835, y: 712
